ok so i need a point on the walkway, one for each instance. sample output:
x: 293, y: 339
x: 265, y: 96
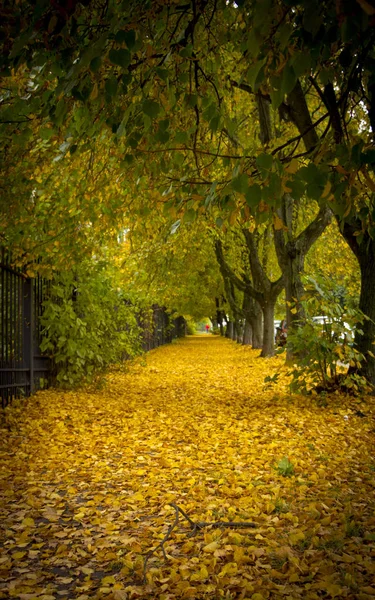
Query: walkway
x: 87, y: 478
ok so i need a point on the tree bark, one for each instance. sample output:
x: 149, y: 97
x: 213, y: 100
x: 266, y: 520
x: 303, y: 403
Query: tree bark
x: 253, y: 316
x: 229, y: 331
x: 264, y: 291
x: 219, y: 316
x: 268, y: 347
x: 364, y: 250
x: 247, y: 339
x: 269, y: 293
x: 257, y: 327
x: 291, y: 255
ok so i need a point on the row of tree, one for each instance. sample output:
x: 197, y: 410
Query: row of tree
x: 251, y: 122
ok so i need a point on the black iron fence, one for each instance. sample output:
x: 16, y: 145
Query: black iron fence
x: 22, y: 366
x: 159, y: 328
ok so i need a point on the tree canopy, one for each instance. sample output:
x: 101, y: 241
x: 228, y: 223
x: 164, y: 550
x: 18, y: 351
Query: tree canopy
x: 151, y: 117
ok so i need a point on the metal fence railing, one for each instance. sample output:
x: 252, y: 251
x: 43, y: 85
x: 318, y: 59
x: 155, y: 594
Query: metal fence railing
x: 160, y: 328
x: 22, y: 366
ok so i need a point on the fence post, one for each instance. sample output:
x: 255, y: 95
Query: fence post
x: 28, y: 330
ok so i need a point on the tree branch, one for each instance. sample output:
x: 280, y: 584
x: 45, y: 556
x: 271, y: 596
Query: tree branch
x: 195, y: 526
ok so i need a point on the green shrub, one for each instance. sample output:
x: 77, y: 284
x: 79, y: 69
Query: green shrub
x: 324, y: 351
x: 190, y: 326
x: 88, y: 325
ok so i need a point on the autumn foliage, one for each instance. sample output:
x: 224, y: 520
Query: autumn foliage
x: 88, y: 477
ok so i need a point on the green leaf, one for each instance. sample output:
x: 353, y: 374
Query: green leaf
x: 254, y: 75
x: 191, y: 100
x: 162, y: 73
x: 314, y: 191
x: 253, y: 195
x: 187, y: 51
x: 289, y: 80
x: 253, y: 42
x: 121, y: 57
x: 111, y: 86
x: 126, y: 36
x: 210, y: 111
x: 297, y: 188
x: 309, y: 174
x: 162, y: 136
x: 264, y: 161
x: 240, y: 184
x: 277, y: 93
x: 284, y: 33
x: 164, y: 124
x: 181, y: 137
x: 95, y: 64
x: 214, y: 123
x: 126, y: 78
x: 189, y: 216
x: 60, y: 112
x: 301, y: 63
x: 128, y: 159
x: 272, y: 192
x: 46, y: 133
x: 150, y: 108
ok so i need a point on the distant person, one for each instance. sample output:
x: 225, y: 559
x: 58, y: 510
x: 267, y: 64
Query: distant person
x: 207, y: 328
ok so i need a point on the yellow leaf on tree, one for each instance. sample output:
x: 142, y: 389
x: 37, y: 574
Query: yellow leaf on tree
x: 327, y: 189
x: 293, y: 166
x: 277, y: 222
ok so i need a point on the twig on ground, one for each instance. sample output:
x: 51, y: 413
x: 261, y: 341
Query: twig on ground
x: 195, y: 526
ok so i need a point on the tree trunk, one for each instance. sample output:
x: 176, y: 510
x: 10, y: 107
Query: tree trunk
x: 239, y: 332
x: 365, y: 341
x: 291, y: 258
x: 264, y: 291
x: 254, y: 317
x: 247, y: 339
x: 365, y: 253
x: 221, y: 326
x: 229, y: 332
x: 219, y: 316
x: 257, y: 327
x: 268, y: 348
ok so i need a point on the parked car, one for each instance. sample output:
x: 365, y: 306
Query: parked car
x: 327, y: 323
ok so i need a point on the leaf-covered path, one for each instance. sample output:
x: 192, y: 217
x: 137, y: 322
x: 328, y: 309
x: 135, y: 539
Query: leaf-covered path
x: 87, y: 478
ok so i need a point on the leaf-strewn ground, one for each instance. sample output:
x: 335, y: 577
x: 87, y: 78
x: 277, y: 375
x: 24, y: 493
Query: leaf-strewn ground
x: 87, y: 478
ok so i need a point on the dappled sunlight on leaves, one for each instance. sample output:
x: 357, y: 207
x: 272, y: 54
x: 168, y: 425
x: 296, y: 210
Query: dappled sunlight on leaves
x: 87, y: 478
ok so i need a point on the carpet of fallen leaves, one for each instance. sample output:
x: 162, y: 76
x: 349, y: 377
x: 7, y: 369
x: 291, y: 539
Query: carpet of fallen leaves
x: 87, y: 478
